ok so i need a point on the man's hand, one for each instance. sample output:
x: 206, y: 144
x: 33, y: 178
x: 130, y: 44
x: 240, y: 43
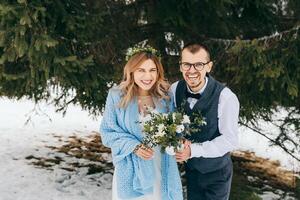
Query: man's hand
x: 185, y: 154
x: 144, y: 152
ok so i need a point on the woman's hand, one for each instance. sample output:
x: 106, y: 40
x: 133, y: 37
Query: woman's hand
x: 144, y: 152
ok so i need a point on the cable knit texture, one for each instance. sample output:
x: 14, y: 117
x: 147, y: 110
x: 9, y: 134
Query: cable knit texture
x: 121, y: 132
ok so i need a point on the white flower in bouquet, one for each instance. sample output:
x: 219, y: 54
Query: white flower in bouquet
x: 161, y: 127
x: 168, y: 130
x: 170, y: 150
x: 160, y: 134
x: 165, y: 115
x: 186, y: 119
x: 151, y: 128
x: 174, y: 116
x: 161, y: 130
x: 180, y: 128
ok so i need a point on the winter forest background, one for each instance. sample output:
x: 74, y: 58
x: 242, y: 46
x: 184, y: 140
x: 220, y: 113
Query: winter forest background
x: 64, y: 55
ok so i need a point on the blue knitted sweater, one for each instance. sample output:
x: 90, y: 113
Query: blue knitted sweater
x: 121, y: 132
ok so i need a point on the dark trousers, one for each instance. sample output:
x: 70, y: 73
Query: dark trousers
x: 209, y: 186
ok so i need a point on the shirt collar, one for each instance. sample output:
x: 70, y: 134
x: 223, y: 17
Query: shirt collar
x: 201, y: 90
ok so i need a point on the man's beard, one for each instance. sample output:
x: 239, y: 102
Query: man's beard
x: 194, y: 86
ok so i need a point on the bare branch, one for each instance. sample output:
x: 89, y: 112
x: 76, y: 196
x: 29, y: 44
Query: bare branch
x: 272, y: 140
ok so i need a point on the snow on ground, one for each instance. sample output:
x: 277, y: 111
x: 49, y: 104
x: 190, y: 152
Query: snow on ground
x: 22, y: 181
x: 19, y: 180
x: 251, y: 141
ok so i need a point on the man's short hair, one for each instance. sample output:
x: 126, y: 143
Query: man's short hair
x: 194, y: 47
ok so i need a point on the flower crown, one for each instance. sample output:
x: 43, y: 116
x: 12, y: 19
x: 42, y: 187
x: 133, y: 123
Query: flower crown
x: 148, y: 49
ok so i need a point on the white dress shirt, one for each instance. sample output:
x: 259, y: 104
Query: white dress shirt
x: 228, y: 115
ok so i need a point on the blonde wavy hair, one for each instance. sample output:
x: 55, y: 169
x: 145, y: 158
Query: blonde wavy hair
x: 130, y: 89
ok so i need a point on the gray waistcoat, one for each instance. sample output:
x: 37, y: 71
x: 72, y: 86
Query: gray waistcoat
x: 207, y: 105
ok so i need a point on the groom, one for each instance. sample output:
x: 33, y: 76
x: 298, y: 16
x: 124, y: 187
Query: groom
x: 208, y: 162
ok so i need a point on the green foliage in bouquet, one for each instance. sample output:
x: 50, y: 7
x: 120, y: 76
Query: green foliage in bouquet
x: 168, y: 129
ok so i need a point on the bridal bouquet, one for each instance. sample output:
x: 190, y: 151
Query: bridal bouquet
x: 168, y: 129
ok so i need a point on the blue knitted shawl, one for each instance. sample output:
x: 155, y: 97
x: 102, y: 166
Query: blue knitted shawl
x: 121, y: 132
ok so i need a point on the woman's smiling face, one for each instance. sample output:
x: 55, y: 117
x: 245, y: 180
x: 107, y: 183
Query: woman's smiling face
x: 145, y: 76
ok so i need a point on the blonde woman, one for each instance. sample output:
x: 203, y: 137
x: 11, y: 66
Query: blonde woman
x: 141, y: 173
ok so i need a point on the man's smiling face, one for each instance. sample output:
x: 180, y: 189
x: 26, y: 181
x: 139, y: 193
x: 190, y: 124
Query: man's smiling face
x: 195, y: 77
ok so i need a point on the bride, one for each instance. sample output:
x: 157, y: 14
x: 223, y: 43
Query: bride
x: 141, y: 173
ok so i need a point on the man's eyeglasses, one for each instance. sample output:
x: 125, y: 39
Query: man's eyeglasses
x: 197, y: 66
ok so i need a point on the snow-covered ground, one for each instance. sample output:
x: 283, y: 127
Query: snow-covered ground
x: 251, y: 141
x: 21, y: 181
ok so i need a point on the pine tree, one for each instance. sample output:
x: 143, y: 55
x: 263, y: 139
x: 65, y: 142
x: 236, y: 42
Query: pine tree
x: 77, y: 48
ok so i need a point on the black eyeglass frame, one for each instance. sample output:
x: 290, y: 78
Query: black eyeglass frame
x: 197, y: 66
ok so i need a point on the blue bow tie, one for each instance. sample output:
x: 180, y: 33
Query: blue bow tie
x: 192, y: 95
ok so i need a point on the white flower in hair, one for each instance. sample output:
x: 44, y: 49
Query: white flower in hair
x: 137, y: 49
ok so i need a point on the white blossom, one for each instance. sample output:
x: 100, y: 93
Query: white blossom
x: 174, y: 117
x: 161, y: 132
x: 165, y: 115
x: 186, y: 119
x: 170, y: 150
x: 161, y: 127
x: 179, y: 128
